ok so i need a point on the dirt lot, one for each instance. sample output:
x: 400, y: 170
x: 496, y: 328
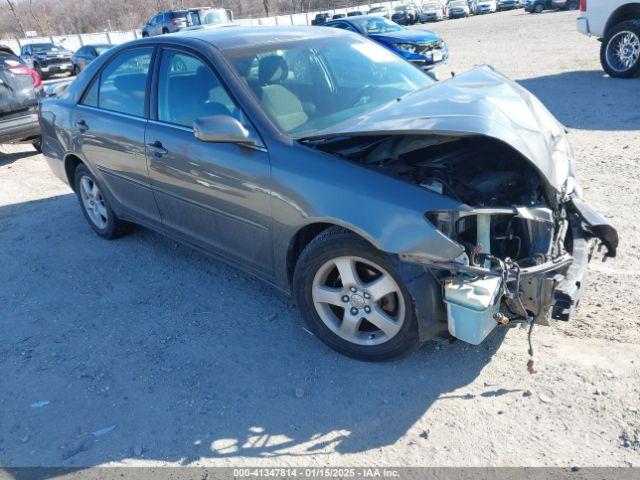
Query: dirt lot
x: 193, y: 363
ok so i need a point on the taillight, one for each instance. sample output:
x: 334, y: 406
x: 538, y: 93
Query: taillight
x: 174, y: 21
x: 583, y: 5
x: 37, y: 81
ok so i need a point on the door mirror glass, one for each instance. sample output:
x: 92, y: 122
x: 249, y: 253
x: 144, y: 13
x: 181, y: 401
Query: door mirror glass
x: 222, y: 129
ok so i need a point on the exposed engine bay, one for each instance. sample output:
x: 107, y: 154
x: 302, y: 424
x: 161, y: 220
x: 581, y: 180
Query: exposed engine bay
x: 525, y: 252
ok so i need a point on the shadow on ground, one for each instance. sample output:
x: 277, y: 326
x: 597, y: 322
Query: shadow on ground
x: 589, y: 100
x: 168, y: 354
x: 9, y: 158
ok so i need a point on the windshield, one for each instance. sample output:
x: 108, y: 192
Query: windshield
x: 457, y: 3
x: 308, y: 86
x: 373, y: 26
x: 46, y: 47
x: 100, y: 49
x: 431, y: 6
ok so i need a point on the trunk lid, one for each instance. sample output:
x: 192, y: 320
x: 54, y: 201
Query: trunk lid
x: 17, y: 93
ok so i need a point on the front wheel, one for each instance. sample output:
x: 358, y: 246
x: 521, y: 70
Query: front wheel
x: 620, y: 50
x: 39, y: 71
x: 96, y: 208
x: 539, y: 8
x: 353, y: 298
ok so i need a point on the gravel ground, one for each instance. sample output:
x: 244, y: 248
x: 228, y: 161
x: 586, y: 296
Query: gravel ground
x: 144, y: 352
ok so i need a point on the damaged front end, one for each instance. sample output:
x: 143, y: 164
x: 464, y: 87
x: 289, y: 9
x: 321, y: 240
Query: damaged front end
x: 525, y: 245
x: 524, y: 234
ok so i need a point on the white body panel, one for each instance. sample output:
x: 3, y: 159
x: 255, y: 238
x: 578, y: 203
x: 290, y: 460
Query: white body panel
x: 594, y: 20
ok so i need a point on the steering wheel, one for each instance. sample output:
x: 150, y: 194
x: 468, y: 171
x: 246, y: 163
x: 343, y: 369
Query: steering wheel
x: 361, y: 97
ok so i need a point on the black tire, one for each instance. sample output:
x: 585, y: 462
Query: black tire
x: 336, y: 242
x: 539, y: 8
x: 165, y: 31
x: 606, y: 49
x: 76, y: 70
x: 39, y: 71
x: 115, y: 227
x: 145, y: 34
x: 37, y: 144
x: 572, y: 5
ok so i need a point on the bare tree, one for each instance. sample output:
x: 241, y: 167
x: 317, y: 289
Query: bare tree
x: 12, y: 8
x: 35, y: 19
x: 266, y: 7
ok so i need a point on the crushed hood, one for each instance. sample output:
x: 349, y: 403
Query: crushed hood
x: 478, y: 102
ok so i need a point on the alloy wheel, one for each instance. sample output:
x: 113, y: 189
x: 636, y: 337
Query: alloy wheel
x: 358, y: 300
x: 93, y: 202
x: 623, y: 51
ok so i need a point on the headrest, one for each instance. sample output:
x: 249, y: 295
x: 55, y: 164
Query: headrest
x: 272, y: 69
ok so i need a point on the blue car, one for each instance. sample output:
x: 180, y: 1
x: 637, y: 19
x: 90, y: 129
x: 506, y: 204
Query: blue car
x: 421, y: 47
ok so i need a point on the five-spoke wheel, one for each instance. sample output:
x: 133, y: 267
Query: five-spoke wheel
x: 353, y: 298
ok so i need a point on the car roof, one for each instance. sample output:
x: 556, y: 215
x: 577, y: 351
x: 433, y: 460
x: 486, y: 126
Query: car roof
x: 238, y: 36
x: 359, y: 18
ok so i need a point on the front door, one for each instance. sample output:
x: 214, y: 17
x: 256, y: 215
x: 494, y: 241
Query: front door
x: 109, y: 126
x: 215, y: 194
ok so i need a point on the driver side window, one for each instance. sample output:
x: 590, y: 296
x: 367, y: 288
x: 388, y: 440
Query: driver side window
x: 188, y: 90
x: 344, y: 26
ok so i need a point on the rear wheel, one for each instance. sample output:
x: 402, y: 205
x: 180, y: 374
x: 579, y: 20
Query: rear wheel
x: 620, y: 50
x: 353, y: 298
x: 539, y: 8
x: 572, y: 5
x: 165, y: 31
x: 145, y: 34
x: 96, y: 208
x: 37, y: 144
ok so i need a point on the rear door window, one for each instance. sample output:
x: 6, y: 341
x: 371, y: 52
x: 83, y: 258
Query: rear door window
x: 122, y: 85
x: 188, y: 90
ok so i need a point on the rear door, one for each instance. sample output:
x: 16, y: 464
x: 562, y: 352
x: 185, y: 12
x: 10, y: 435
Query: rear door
x: 109, y: 125
x: 214, y: 194
x: 17, y: 95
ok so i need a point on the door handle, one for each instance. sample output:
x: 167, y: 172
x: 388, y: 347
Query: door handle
x: 82, y: 125
x: 157, y: 149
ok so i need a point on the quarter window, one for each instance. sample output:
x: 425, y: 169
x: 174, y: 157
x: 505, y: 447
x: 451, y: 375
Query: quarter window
x: 188, y: 90
x: 122, y: 85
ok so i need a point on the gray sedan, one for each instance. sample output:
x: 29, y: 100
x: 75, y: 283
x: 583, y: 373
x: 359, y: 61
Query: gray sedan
x: 392, y: 207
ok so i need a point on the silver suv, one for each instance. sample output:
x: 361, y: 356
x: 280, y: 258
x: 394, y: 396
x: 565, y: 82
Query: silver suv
x: 171, y: 21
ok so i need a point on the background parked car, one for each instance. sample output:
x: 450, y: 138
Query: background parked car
x: 405, y: 15
x: 354, y: 13
x: 508, y: 5
x: 338, y: 15
x: 87, y: 54
x: 381, y: 12
x: 617, y: 24
x: 538, y: 6
x: 480, y: 7
x: 171, y: 21
x: 20, y: 91
x: 458, y: 9
x: 320, y: 18
x: 47, y: 58
x: 420, y: 47
x: 432, y: 11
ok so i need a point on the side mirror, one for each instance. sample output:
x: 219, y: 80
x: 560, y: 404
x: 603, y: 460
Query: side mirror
x: 223, y: 129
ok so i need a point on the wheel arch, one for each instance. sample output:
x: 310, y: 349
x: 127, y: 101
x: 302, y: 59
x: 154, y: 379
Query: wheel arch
x: 307, y: 233
x: 630, y: 11
x: 71, y: 162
